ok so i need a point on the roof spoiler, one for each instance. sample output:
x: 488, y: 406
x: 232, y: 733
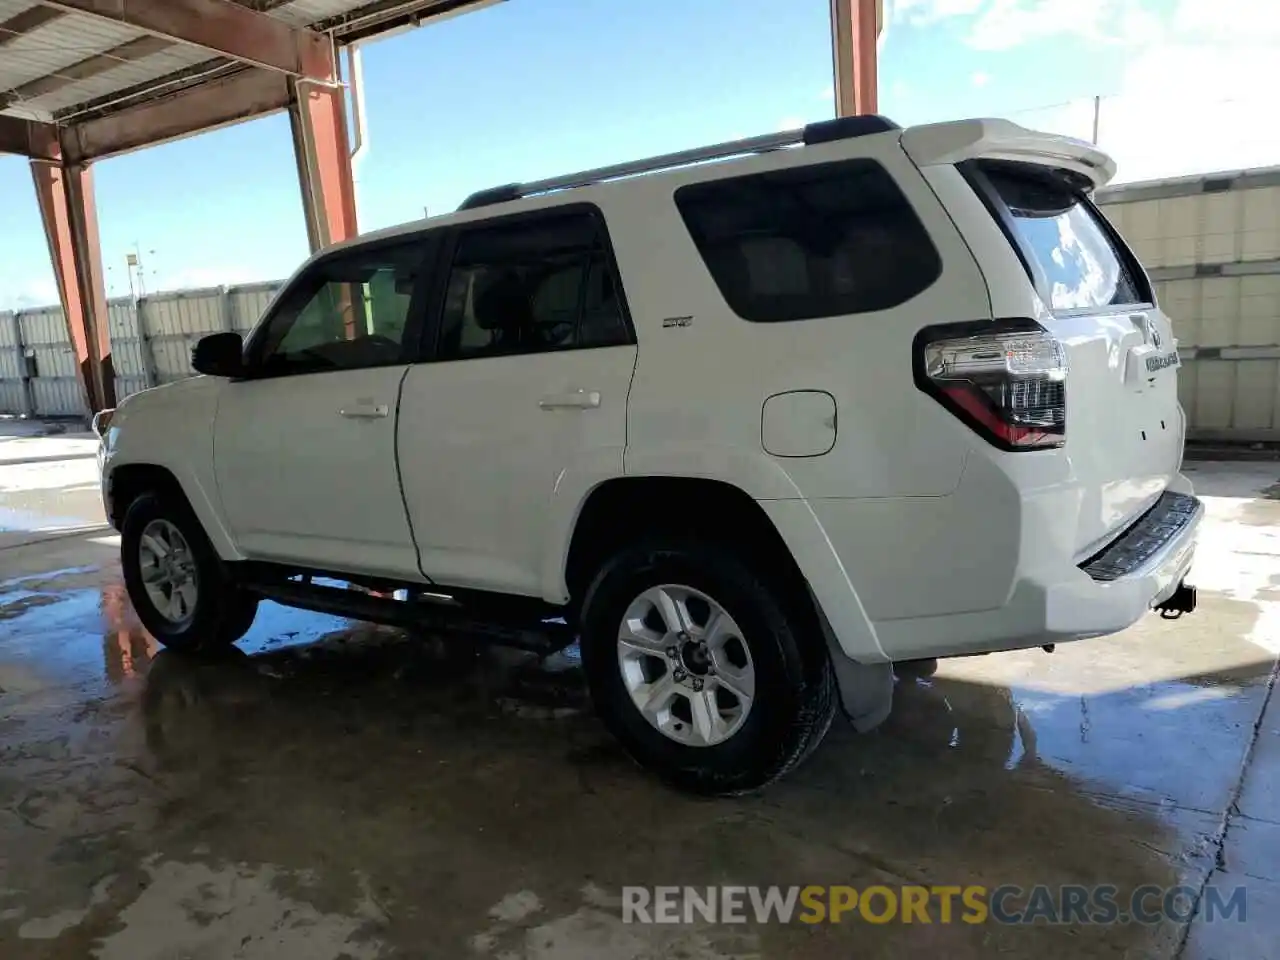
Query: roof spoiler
x: 960, y: 140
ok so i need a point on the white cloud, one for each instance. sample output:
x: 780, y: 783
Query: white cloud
x: 1166, y: 122
x: 1001, y: 24
x: 34, y: 293
x: 980, y: 79
x: 1195, y: 93
x: 1008, y: 23
x: 925, y: 12
x: 1229, y: 21
x: 1169, y: 122
x: 790, y: 123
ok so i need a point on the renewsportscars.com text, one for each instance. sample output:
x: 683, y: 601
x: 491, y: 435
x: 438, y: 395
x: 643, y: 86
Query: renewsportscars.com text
x: 943, y: 904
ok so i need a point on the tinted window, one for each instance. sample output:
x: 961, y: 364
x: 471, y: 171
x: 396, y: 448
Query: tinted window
x: 815, y: 241
x: 531, y: 285
x: 1057, y: 229
x: 351, y: 312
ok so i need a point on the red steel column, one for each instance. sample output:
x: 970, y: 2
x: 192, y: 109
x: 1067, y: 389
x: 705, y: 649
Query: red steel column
x: 319, y: 119
x: 855, y: 27
x: 65, y: 196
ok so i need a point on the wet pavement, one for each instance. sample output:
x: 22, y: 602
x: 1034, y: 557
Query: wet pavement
x: 48, y: 481
x: 337, y: 790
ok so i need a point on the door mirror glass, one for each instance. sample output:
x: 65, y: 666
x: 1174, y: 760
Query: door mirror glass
x: 219, y: 355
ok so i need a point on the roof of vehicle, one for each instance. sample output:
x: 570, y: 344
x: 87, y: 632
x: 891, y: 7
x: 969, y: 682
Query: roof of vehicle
x: 935, y: 143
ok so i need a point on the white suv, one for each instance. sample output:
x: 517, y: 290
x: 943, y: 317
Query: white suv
x: 753, y: 430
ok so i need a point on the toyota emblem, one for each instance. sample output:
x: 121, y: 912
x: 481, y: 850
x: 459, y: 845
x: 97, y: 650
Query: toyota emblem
x: 1153, y: 333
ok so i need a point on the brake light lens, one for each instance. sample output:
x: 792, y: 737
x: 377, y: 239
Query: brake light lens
x: 1008, y: 380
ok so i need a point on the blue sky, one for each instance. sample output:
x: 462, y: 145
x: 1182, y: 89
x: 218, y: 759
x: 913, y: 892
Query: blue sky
x: 529, y: 88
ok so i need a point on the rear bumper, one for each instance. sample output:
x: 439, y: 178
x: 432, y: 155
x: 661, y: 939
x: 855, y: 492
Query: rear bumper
x: 1137, y: 571
x: 995, y: 565
x: 1106, y: 594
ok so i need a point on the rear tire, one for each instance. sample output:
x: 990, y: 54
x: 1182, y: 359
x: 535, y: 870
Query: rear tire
x: 756, y: 701
x: 179, y: 587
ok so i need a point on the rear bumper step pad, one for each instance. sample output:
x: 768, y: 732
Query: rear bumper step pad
x: 1148, y: 535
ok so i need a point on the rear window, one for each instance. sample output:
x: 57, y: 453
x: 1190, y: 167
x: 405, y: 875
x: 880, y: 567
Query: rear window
x: 1073, y: 256
x: 817, y: 241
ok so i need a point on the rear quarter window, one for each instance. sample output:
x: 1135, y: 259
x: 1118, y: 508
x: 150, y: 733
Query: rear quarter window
x: 1075, y: 258
x: 817, y: 241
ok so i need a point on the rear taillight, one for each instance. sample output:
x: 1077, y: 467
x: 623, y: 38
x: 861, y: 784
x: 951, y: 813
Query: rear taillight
x: 1006, y: 379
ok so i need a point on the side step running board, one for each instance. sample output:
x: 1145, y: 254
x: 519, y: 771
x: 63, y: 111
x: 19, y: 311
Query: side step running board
x: 539, y: 637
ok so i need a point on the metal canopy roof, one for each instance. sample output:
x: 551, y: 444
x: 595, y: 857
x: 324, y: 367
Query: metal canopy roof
x: 62, y: 64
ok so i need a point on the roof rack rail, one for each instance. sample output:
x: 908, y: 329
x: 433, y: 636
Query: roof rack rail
x: 825, y: 131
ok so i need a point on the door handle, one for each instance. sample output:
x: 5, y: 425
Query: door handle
x: 369, y: 412
x: 571, y: 400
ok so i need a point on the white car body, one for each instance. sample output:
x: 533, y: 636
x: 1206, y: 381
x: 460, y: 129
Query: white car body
x: 918, y: 537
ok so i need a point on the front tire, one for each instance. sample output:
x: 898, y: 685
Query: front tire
x: 702, y: 668
x: 179, y: 587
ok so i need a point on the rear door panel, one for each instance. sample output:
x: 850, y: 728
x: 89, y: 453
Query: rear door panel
x: 504, y: 420
x: 486, y: 443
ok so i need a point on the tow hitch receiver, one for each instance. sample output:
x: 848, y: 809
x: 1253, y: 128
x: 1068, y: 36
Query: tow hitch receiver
x: 1182, y: 600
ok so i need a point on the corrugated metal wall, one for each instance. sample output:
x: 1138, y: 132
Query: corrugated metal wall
x: 1212, y: 246
x: 151, y: 343
x: 13, y: 386
x: 128, y: 352
x: 54, y: 380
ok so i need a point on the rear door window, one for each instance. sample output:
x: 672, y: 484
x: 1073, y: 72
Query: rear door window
x: 817, y: 241
x: 1076, y: 259
x: 532, y: 284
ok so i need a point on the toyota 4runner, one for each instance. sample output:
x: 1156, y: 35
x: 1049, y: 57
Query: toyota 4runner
x: 750, y: 430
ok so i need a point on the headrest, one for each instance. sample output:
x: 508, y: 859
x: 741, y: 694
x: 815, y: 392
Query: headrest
x: 503, y: 303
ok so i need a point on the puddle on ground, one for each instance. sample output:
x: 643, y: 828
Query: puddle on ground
x: 48, y: 578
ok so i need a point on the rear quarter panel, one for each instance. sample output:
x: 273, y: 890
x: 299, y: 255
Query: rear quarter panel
x: 701, y: 385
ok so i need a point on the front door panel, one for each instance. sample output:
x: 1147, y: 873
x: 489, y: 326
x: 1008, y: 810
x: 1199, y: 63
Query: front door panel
x: 306, y: 469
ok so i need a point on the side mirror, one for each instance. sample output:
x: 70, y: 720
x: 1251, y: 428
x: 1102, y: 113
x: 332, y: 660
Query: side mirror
x: 219, y: 355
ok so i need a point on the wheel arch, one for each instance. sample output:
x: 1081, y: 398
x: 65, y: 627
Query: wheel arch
x: 127, y: 481
x: 783, y: 536
x: 621, y: 509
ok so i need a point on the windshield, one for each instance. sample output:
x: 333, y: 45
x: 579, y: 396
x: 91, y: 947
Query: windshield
x: 1060, y: 234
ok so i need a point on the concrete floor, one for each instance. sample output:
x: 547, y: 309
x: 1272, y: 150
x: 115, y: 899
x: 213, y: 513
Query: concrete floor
x: 344, y: 791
